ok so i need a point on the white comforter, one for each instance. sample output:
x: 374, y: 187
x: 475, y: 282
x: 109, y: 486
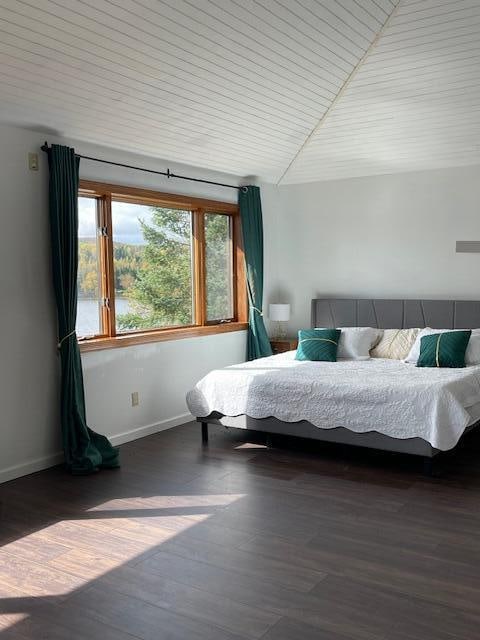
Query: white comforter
x: 388, y: 396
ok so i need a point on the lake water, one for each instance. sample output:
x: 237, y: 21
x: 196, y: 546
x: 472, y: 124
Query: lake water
x: 88, y: 315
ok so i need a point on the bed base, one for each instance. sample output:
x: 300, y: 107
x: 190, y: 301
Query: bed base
x: 338, y: 435
x: 305, y: 429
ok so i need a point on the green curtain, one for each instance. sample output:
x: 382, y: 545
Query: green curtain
x: 85, y: 450
x: 250, y: 205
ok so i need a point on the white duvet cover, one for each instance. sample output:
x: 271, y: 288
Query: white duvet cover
x: 388, y: 396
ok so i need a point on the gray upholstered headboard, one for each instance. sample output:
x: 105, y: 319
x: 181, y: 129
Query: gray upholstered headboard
x: 395, y: 314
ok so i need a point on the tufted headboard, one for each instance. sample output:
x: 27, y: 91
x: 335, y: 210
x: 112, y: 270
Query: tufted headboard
x: 395, y: 314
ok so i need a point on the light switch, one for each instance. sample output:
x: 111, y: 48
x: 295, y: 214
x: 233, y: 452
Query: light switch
x: 33, y: 161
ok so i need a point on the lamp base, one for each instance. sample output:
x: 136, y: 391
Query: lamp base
x: 280, y: 333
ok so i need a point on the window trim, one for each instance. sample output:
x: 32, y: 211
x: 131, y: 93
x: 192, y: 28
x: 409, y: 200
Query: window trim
x: 105, y: 193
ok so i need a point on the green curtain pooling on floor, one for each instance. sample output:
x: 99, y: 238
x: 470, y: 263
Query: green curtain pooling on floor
x: 85, y: 450
x: 258, y: 344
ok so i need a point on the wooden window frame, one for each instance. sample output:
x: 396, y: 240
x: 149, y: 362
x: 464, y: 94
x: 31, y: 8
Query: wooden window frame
x: 104, y: 194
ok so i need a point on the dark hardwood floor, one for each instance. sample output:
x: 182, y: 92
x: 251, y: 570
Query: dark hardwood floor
x: 237, y: 541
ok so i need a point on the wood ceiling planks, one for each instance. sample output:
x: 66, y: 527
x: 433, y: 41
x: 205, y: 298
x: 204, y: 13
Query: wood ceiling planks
x: 251, y: 87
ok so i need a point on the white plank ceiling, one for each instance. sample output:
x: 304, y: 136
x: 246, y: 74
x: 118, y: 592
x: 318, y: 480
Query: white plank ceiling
x: 413, y: 104
x: 288, y: 90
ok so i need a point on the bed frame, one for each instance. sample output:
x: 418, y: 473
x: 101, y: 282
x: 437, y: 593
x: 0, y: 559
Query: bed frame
x: 383, y: 314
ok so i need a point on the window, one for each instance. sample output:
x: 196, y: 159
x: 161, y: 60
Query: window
x: 218, y: 264
x: 155, y: 266
x: 152, y: 266
x: 89, y: 304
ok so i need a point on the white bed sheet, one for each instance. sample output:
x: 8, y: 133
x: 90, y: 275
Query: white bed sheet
x: 389, y: 396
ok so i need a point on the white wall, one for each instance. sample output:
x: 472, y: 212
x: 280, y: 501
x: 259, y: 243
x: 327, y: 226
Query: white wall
x: 28, y: 361
x: 385, y: 236
x: 161, y: 372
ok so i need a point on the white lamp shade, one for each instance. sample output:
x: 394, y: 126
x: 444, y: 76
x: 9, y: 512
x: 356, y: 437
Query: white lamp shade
x: 279, y: 312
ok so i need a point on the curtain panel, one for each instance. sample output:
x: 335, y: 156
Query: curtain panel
x: 258, y: 345
x: 85, y: 450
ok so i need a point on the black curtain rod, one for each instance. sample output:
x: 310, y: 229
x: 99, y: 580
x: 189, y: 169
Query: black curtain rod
x: 166, y: 173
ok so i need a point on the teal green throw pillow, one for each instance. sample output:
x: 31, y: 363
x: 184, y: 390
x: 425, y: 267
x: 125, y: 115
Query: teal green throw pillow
x: 318, y: 344
x: 445, y: 349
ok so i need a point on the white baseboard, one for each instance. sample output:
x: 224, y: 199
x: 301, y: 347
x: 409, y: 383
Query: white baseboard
x: 32, y: 466
x: 149, y: 429
x: 39, y: 464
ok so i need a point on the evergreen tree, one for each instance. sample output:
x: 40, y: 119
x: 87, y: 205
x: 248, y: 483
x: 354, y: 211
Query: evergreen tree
x: 161, y: 294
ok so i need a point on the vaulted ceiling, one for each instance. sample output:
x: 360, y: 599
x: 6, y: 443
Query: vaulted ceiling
x: 288, y: 90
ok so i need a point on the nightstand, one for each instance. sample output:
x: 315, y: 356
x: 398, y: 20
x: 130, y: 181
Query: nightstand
x: 280, y: 345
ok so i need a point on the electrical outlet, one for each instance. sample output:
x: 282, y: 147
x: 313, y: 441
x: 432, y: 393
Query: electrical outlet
x: 33, y: 161
x: 135, y: 400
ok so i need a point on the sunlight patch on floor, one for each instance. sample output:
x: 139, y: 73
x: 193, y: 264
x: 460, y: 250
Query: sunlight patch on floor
x: 11, y: 619
x: 251, y: 445
x: 166, y: 502
x: 67, y: 555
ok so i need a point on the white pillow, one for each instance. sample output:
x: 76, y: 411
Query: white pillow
x: 355, y: 342
x: 472, y: 354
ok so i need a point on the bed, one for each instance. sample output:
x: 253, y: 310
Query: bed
x: 379, y: 404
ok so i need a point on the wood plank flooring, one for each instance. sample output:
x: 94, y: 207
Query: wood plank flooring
x: 236, y: 541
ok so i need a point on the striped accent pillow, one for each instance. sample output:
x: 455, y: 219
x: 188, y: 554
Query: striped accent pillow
x: 318, y: 344
x: 395, y: 344
x: 446, y: 349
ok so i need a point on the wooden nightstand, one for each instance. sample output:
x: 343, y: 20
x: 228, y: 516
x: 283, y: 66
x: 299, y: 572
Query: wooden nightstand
x: 280, y: 345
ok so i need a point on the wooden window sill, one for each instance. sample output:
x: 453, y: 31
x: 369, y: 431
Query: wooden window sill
x: 127, y: 340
